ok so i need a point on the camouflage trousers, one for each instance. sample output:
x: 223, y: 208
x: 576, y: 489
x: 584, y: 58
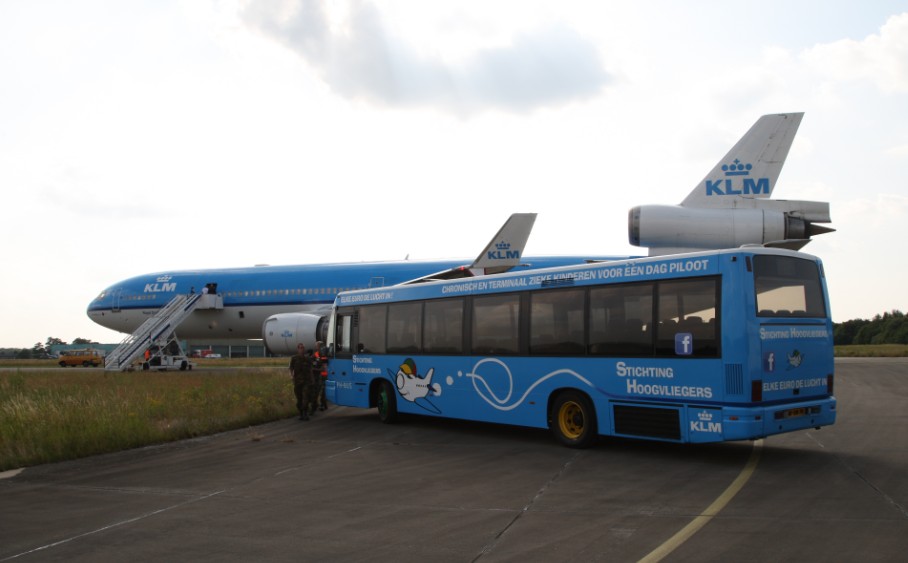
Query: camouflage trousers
x: 304, y: 397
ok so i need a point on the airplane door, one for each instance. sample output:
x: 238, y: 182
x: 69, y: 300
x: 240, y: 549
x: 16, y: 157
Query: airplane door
x: 115, y: 307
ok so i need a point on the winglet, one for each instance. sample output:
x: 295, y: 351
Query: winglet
x: 505, y: 249
x: 502, y: 253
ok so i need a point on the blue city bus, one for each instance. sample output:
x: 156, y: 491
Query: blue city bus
x: 701, y: 347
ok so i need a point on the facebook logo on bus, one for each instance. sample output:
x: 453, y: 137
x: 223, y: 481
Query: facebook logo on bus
x: 769, y: 362
x: 684, y: 343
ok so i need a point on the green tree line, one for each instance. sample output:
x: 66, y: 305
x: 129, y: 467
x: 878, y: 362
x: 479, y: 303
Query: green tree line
x: 888, y: 328
x: 40, y: 350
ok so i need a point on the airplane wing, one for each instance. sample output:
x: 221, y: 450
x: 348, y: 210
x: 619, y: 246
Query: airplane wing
x: 502, y: 253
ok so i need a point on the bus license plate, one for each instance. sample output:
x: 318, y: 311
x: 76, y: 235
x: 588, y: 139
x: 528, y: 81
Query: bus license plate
x: 794, y: 413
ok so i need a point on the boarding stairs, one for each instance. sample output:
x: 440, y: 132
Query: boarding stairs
x: 157, y: 330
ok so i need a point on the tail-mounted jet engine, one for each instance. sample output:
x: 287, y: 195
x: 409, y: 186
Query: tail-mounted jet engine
x: 666, y: 229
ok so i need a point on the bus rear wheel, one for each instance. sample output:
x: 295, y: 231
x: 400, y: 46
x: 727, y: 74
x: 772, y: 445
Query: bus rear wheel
x: 573, y: 420
x: 386, y: 401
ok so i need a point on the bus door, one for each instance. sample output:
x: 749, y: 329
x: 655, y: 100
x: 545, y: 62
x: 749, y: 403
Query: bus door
x: 343, y: 387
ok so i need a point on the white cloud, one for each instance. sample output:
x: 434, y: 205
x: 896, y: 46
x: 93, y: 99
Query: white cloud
x: 900, y: 151
x: 881, y: 58
x: 357, y: 55
x: 882, y: 213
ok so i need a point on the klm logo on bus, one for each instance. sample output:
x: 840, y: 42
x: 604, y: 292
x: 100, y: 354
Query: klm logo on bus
x: 737, y: 181
x: 162, y: 283
x: 503, y: 251
x: 704, y: 423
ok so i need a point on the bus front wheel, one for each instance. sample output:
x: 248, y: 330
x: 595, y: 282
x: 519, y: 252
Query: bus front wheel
x: 386, y: 401
x: 573, y: 420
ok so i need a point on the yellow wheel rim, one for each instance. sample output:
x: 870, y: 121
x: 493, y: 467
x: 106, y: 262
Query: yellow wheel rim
x: 570, y: 420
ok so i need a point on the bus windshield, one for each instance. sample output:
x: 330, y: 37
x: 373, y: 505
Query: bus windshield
x: 788, y: 287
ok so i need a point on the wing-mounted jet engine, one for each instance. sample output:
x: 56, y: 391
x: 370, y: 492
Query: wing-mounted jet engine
x: 282, y: 332
x: 730, y: 207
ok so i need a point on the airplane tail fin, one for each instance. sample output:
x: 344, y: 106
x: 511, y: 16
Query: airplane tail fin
x: 751, y: 167
x: 732, y: 206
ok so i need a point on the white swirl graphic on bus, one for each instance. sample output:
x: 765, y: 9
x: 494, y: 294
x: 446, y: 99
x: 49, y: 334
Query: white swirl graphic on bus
x: 492, y: 399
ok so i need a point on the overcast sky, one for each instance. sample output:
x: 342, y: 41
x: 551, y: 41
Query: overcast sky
x: 143, y: 136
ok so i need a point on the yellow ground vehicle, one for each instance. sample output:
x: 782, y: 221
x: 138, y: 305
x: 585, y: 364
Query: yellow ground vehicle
x: 86, y: 357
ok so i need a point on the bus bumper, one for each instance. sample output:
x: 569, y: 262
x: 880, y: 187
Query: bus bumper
x: 750, y: 423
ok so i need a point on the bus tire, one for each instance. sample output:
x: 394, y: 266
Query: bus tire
x: 386, y: 401
x: 573, y: 420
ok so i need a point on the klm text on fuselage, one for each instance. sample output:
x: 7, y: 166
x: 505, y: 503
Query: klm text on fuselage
x: 160, y: 287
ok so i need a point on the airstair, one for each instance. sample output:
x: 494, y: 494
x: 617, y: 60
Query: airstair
x: 156, y: 331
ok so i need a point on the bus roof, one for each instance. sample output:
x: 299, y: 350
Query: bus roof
x: 616, y: 271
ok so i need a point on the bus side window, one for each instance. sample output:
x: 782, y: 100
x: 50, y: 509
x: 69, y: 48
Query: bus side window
x: 619, y: 319
x: 404, y: 328
x: 443, y: 326
x: 495, y: 325
x: 371, y: 329
x: 688, y: 306
x: 556, y: 322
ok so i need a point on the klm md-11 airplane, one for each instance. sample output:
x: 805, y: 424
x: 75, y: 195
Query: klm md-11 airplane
x: 285, y: 305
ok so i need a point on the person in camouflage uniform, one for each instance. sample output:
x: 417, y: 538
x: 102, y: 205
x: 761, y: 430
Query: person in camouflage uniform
x: 301, y: 372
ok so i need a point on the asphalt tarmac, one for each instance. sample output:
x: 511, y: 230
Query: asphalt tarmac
x: 344, y: 487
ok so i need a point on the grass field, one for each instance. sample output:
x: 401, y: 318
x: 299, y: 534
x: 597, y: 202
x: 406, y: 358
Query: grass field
x: 872, y: 351
x: 58, y: 414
